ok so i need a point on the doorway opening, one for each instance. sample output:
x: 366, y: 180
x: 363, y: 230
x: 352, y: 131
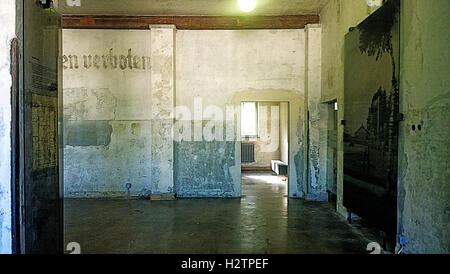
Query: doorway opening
x: 332, y: 131
x: 264, y: 146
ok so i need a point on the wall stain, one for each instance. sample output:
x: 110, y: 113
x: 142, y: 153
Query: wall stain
x: 88, y: 133
x: 202, y: 169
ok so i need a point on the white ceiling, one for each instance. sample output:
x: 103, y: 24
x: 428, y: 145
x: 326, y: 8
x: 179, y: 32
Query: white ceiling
x: 191, y: 7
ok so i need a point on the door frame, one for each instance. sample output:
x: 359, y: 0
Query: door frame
x: 239, y: 138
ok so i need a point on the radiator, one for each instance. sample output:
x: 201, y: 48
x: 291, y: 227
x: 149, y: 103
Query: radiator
x: 247, y: 153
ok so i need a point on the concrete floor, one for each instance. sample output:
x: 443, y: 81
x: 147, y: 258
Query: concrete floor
x: 263, y: 221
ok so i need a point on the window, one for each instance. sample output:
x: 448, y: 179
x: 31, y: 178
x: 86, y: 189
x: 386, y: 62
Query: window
x: 249, y: 119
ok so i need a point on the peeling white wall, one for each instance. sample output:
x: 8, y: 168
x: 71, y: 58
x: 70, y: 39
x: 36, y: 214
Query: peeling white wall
x: 227, y: 67
x: 107, y: 113
x: 162, y: 75
x: 424, y: 169
x: 7, y: 33
x: 214, y: 64
x: 221, y: 68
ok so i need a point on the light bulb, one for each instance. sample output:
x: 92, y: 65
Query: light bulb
x: 247, y: 5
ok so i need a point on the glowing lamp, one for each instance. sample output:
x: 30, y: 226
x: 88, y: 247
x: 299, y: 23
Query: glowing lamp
x: 247, y: 5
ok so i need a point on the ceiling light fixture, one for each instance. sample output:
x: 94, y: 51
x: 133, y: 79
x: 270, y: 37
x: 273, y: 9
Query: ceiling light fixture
x: 247, y: 5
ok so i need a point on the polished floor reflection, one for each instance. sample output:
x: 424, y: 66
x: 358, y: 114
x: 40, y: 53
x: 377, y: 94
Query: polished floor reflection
x: 263, y: 221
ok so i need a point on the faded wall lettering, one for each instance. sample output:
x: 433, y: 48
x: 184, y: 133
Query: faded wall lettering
x: 107, y: 61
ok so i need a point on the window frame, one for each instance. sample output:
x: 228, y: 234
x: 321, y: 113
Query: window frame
x: 255, y: 136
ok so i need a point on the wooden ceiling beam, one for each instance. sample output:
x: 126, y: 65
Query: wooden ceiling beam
x: 189, y: 22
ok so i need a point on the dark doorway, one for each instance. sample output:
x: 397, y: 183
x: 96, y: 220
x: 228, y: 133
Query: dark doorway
x: 332, y: 131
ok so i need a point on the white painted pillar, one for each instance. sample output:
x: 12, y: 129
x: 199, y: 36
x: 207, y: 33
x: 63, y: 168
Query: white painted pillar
x: 162, y: 57
x: 316, y: 186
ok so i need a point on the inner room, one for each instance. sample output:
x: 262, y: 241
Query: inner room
x: 265, y: 145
